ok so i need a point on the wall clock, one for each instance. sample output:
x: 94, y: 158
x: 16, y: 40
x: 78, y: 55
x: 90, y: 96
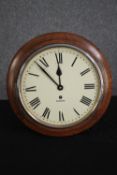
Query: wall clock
x: 59, y: 84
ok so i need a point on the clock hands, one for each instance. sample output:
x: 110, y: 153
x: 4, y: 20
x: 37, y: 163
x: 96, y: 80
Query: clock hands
x: 59, y: 73
x: 46, y: 73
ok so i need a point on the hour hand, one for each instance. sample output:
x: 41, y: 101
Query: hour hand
x: 59, y: 72
x: 59, y: 60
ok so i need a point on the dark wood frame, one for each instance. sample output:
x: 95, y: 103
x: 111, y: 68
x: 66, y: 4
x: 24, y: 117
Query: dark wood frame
x: 38, y: 43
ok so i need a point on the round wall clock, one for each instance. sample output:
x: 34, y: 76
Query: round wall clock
x: 59, y: 84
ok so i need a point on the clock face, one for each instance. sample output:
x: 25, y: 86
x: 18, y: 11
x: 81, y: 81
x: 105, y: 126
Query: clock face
x: 59, y: 86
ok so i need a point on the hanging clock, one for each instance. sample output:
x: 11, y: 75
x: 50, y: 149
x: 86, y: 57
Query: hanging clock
x: 59, y: 84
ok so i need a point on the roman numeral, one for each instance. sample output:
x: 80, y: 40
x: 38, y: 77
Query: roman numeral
x: 74, y: 61
x: 35, y: 102
x: 59, y: 58
x: 31, y: 89
x: 44, y: 62
x: 85, y: 72
x: 36, y: 75
x: 76, y: 111
x: 89, y: 86
x: 61, y: 116
x: 85, y: 100
x: 46, y: 113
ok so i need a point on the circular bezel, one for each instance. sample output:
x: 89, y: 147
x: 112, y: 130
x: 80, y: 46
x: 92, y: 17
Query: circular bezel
x: 51, y: 40
x: 98, y: 69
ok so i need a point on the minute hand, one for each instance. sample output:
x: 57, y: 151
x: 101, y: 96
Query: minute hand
x: 46, y: 73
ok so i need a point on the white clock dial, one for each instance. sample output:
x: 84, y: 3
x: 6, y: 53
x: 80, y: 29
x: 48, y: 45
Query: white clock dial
x: 59, y: 86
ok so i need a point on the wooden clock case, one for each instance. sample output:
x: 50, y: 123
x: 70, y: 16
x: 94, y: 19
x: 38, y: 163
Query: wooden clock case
x: 38, y: 43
